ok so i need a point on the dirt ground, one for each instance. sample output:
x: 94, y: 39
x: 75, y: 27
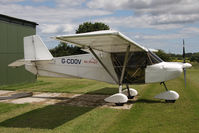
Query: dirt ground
x: 60, y: 98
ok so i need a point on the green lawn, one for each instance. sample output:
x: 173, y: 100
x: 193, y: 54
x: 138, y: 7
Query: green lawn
x: 147, y: 114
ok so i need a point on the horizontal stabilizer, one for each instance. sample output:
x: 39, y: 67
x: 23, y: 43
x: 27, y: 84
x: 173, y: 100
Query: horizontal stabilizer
x: 17, y: 63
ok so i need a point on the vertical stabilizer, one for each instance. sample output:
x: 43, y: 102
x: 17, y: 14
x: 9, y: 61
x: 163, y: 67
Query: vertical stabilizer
x: 35, y: 49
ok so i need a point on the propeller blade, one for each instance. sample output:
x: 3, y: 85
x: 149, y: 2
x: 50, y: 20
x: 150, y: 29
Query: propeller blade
x: 185, y: 82
x: 184, y: 69
x: 183, y: 54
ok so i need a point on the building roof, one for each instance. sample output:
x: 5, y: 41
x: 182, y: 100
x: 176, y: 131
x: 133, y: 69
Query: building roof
x: 10, y: 19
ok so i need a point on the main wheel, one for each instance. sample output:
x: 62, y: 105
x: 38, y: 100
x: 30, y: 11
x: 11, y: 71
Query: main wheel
x: 119, y: 104
x: 170, y: 101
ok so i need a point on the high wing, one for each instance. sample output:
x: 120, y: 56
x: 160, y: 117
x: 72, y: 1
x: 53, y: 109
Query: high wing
x: 107, y: 41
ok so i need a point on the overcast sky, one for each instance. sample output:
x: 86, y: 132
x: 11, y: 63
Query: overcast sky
x: 159, y: 24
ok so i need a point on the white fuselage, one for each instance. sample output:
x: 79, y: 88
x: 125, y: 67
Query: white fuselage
x: 78, y: 66
x: 87, y: 66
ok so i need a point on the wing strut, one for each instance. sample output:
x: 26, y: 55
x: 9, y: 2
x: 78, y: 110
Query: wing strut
x: 103, y: 65
x: 124, y: 65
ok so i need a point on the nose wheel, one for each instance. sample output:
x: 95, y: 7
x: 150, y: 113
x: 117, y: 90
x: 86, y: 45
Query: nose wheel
x: 170, y: 101
x: 169, y: 96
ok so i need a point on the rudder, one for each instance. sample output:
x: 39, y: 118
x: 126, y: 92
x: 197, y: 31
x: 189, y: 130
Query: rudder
x: 35, y: 49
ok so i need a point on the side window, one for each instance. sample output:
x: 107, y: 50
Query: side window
x: 135, y: 69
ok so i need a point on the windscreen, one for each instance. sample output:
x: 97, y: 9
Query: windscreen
x: 153, y: 58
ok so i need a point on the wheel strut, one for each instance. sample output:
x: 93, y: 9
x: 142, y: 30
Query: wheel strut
x: 164, y: 86
x: 129, y: 94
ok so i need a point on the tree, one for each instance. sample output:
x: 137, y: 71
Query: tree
x: 163, y: 55
x: 88, y: 27
x: 63, y: 50
x: 195, y: 57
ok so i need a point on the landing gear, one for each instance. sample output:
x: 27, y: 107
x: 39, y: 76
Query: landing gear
x: 130, y: 92
x: 164, y: 85
x: 169, y: 96
x: 122, y: 97
x: 118, y: 98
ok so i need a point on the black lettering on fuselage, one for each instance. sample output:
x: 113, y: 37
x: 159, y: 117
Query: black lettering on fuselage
x: 63, y: 60
x: 71, y: 61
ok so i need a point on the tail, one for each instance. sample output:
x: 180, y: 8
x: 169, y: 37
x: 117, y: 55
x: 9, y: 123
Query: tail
x: 34, y: 50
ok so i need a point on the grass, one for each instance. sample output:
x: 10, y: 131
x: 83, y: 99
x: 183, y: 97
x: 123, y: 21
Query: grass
x: 48, y: 84
x: 147, y: 114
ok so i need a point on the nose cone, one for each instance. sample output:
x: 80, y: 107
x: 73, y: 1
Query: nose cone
x: 186, y: 65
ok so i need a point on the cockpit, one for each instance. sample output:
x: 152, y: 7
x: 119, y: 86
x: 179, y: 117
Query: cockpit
x: 136, y: 64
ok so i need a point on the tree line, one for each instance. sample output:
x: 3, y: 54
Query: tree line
x: 190, y: 57
x: 63, y: 49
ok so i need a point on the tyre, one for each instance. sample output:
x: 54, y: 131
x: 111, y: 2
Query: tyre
x: 119, y: 104
x: 130, y: 97
x: 170, y: 101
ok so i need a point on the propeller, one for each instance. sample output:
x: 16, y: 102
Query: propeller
x: 184, y: 61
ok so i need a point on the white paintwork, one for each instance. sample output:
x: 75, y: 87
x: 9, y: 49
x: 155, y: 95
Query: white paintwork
x: 183, y: 65
x: 117, y: 98
x: 132, y: 91
x: 17, y: 63
x: 120, y: 89
x: 35, y: 49
x: 53, y: 74
x: 107, y: 41
x: 168, y: 95
x: 153, y: 50
x: 85, y: 66
x: 39, y: 61
x: 30, y: 66
x: 187, y: 65
x: 163, y: 71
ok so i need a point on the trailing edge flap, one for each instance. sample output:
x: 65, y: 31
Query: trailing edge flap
x: 17, y: 63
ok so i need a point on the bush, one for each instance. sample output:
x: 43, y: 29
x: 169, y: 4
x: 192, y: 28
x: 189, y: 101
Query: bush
x: 164, y: 56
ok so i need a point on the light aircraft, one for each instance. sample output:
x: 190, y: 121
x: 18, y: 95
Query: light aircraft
x: 112, y: 57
